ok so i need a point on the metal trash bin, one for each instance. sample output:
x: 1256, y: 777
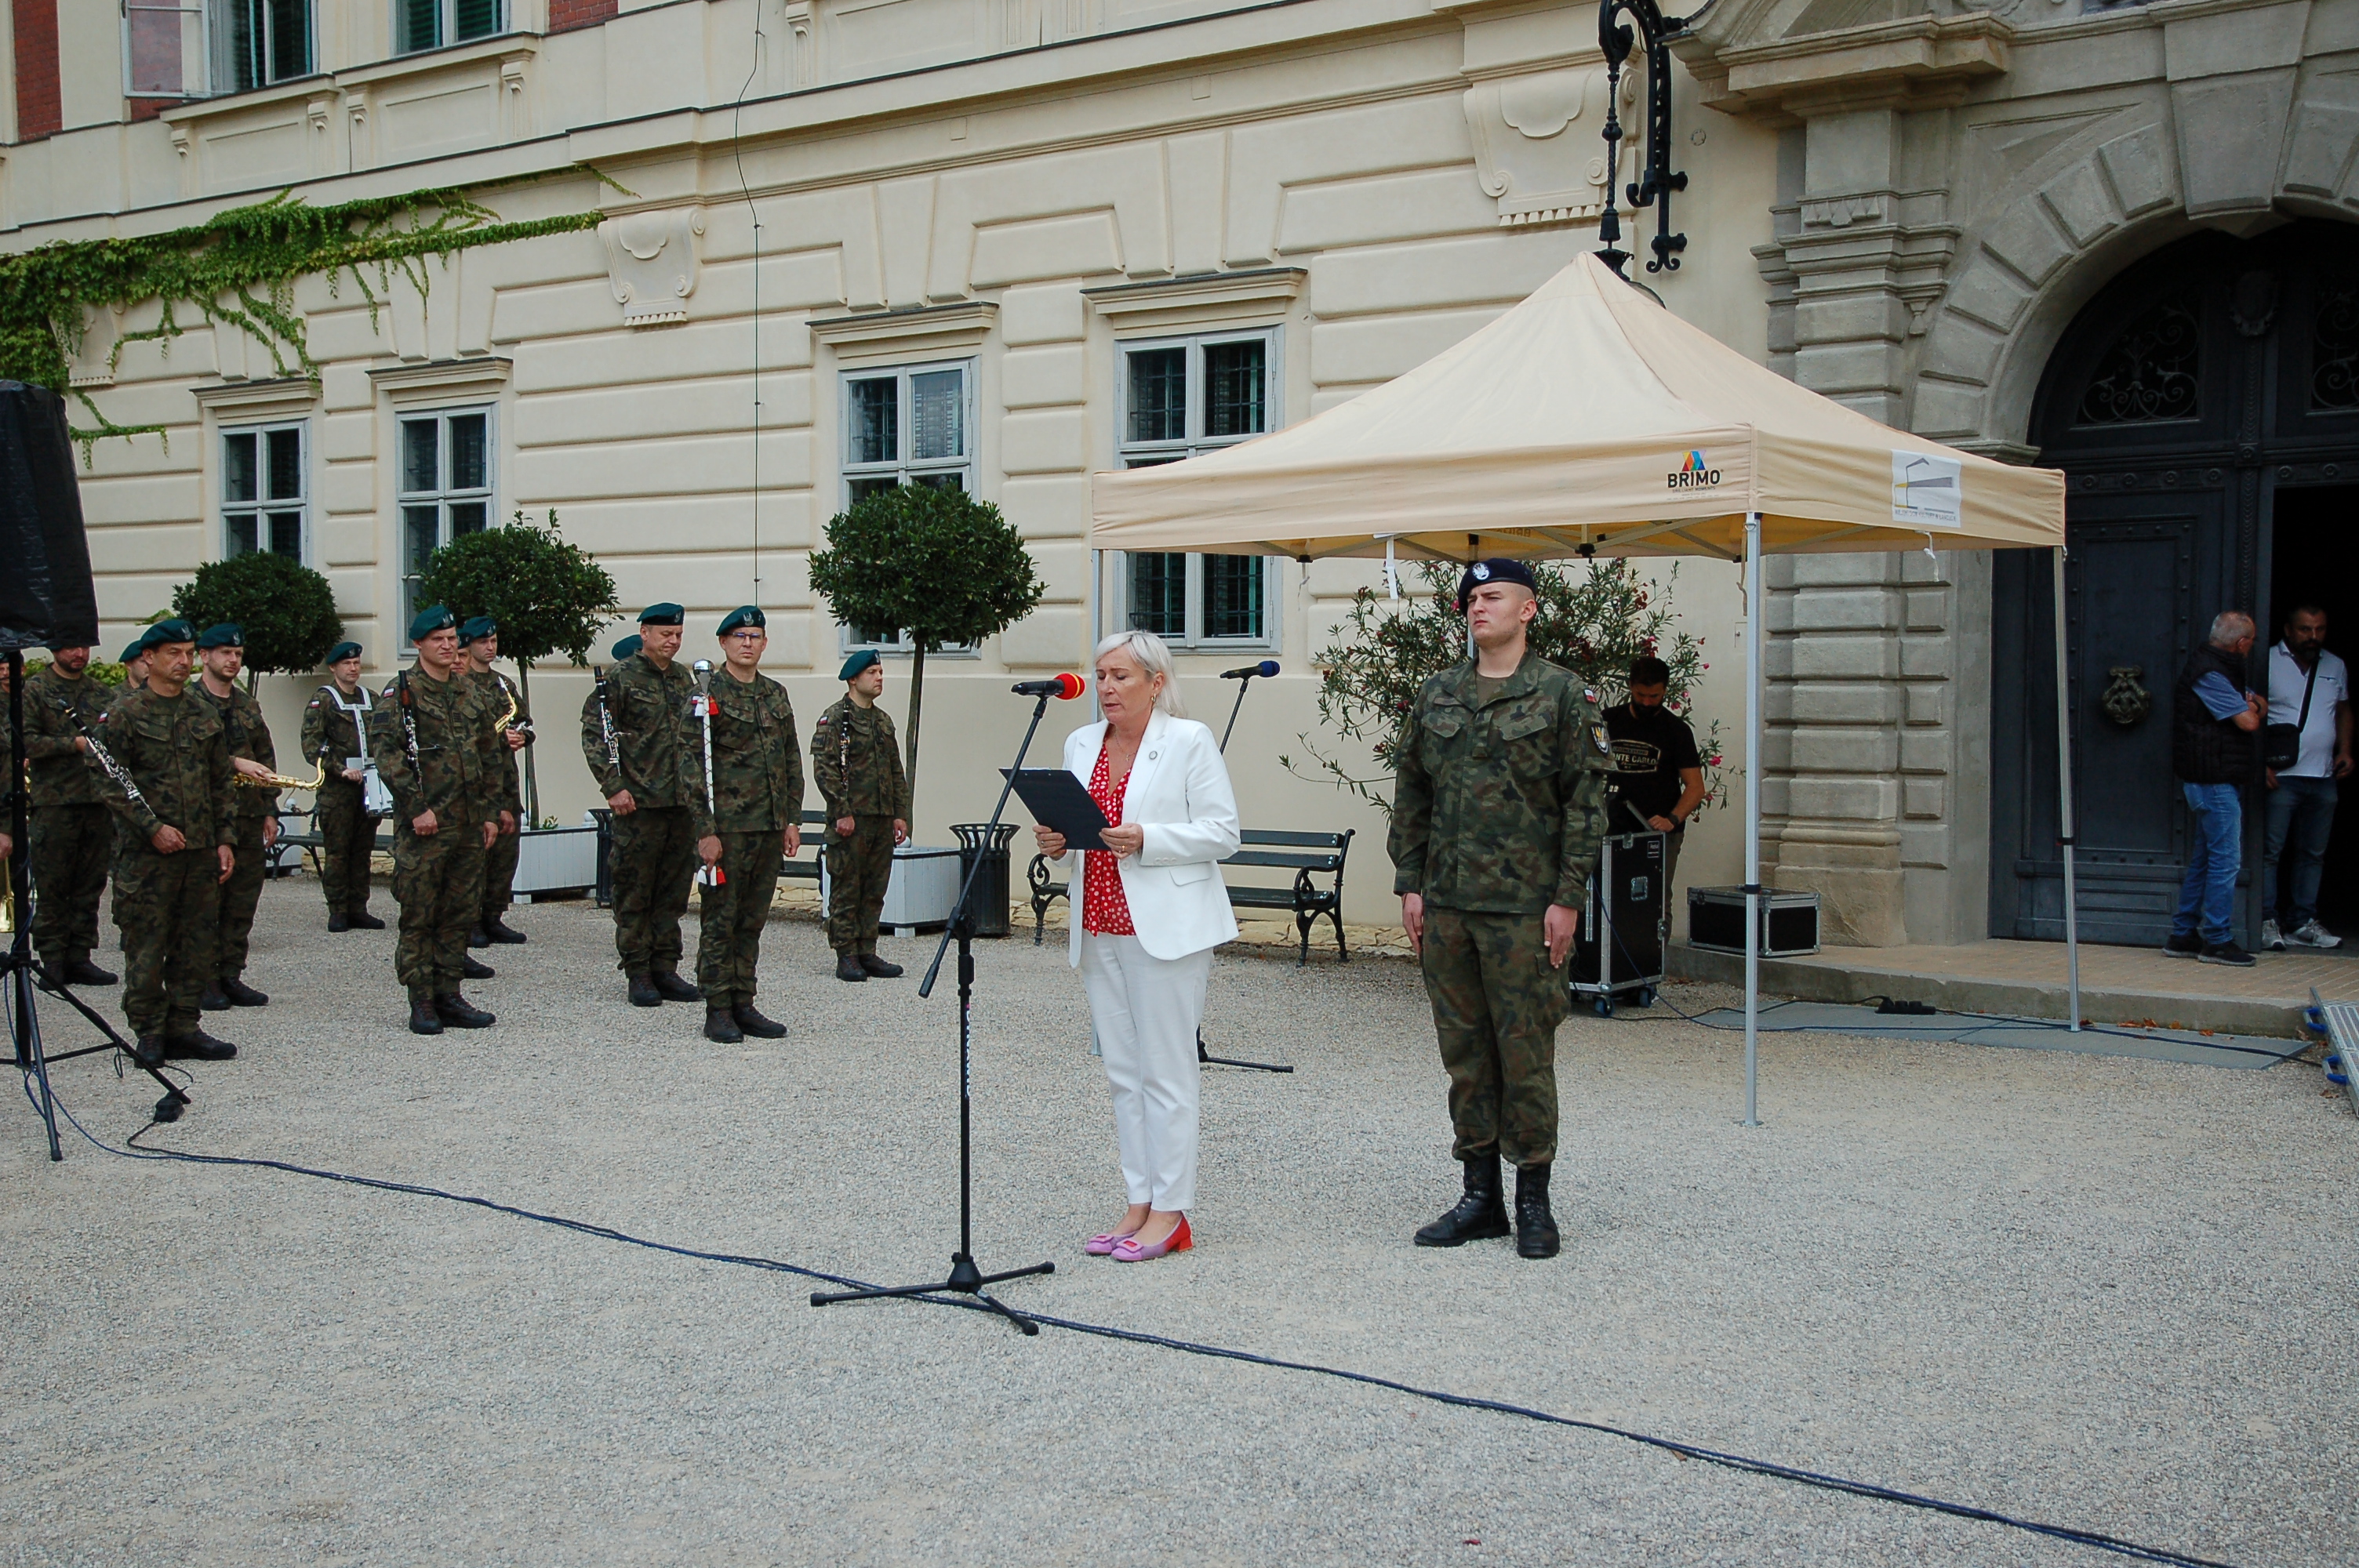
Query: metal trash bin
x: 985, y: 843
x: 604, y: 817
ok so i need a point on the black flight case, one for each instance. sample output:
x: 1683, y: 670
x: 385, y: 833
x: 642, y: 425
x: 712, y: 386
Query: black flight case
x: 1624, y: 926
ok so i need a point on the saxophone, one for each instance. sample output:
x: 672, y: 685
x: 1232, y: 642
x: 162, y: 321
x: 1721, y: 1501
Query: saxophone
x: 280, y: 781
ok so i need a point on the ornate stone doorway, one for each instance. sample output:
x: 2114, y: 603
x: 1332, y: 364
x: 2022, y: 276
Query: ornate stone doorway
x: 2200, y: 388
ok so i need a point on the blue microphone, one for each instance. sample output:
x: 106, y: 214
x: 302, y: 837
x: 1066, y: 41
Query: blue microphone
x: 1267, y: 668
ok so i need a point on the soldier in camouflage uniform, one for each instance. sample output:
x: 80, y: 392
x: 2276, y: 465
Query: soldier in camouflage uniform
x: 856, y: 762
x: 646, y: 702
x: 434, y: 746
x: 1498, y: 807
x: 755, y: 812
x: 480, y: 637
x: 73, y: 832
x: 335, y: 735
x: 172, y: 796
x: 222, y: 649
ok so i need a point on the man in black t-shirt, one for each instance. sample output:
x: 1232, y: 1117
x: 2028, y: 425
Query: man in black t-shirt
x: 1658, y: 773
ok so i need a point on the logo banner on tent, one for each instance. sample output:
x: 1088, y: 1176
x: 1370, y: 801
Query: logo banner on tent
x: 1927, y: 490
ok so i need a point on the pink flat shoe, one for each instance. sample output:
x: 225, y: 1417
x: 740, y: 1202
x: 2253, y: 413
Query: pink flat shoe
x: 1104, y: 1245
x: 1128, y: 1251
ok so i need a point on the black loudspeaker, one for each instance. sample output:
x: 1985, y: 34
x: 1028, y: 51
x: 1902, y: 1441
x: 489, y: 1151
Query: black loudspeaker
x: 46, y: 597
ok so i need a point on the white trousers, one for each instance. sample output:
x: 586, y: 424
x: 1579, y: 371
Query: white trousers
x: 1146, y: 1009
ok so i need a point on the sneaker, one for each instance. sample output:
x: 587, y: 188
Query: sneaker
x: 2270, y: 941
x: 2310, y: 934
x: 2227, y: 952
x: 2183, y: 944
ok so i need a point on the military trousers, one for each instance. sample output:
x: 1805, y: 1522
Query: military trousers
x: 71, y: 847
x: 438, y: 880
x: 654, y: 865
x: 240, y: 897
x: 499, y: 876
x: 347, y: 840
x: 729, y: 939
x: 858, y: 870
x: 166, y: 906
x: 1497, y: 1005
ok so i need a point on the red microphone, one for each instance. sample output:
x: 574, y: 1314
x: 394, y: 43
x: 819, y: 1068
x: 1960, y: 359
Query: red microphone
x: 1064, y: 687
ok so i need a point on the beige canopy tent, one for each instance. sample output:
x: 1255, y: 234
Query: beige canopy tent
x: 1589, y: 420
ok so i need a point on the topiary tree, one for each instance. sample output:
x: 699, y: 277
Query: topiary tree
x: 1593, y: 619
x: 548, y: 595
x: 287, y: 611
x: 937, y: 566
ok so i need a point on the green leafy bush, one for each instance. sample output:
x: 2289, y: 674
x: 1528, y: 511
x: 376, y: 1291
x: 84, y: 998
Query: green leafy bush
x: 287, y: 611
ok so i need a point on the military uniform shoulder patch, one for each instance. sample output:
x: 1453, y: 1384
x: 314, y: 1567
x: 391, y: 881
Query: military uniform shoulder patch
x: 1589, y: 694
x: 1599, y: 738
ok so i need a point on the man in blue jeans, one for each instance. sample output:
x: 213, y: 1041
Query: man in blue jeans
x: 2309, y: 690
x: 2212, y: 720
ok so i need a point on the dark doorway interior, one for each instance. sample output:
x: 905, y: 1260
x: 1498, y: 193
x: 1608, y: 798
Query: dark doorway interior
x: 2315, y: 560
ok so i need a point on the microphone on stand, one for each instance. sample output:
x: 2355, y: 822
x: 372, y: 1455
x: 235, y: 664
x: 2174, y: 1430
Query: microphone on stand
x: 1267, y: 668
x: 1064, y: 687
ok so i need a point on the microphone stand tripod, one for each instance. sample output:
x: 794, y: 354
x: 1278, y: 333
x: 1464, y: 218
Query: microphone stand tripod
x: 19, y: 972
x: 1205, y: 1059
x: 966, y: 1278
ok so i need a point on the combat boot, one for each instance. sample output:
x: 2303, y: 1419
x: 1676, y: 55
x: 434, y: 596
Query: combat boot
x: 501, y: 932
x: 460, y: 1013
x: 239, y: 994
x: 644, y: 992
x: 478, y: 937
x: 879, y: 967
x: 1480, y: 1213
x: 198, y: 1046
x: 339, y: 921
x: 721, y: 1026
x: 749, y: 1018
x: 423, y: 1020
x: 848, y: 966
x: 364, y: 921
x: 1535, y: 1225
x: 83, y: 972
x: 671, y: 987
x: 149, y: 1051
x: 473, y: 970
x: 214, y: 1001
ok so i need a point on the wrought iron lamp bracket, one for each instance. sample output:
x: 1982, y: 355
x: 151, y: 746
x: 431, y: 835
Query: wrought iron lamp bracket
x: 1657, y: 179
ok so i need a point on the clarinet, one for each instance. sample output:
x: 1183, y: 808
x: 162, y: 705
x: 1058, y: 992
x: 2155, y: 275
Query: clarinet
x: 606, y: 730
x: 709, y: 876
x: 106, y: 759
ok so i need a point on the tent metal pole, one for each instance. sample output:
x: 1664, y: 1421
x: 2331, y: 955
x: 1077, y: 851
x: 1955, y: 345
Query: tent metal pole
x: 1752, y: 816
x: 2064, y: 802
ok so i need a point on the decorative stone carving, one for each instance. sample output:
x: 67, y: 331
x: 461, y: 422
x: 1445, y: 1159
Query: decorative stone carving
x: 2125, y: 701
x: 651, y: 264
x: 1536, y: 147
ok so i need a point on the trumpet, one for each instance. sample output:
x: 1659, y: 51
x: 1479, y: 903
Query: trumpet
x: 280, y: 781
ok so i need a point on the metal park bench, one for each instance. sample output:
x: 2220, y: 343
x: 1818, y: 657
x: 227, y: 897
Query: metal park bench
x: 814, y: 837
x: 296, y: 845
x: 1309, y: 855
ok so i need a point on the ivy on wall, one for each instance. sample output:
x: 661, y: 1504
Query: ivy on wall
x: 237, y: 269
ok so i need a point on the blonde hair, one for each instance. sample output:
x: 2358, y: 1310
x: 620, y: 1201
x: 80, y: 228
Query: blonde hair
x: 1153, y: 657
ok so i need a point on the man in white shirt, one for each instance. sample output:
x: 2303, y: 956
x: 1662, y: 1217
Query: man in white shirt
x: 2301, y: 797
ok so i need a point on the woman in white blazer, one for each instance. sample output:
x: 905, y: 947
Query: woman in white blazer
x: 1144, y: 921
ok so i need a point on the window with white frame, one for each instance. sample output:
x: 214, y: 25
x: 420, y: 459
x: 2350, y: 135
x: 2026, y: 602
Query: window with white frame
x: 444, y: 488
x: 910, y: 425
x: 198, y: 48
x: 264, y: 490
x: 257, y: 42
x: 1180, y: 398
x: 430, y: 24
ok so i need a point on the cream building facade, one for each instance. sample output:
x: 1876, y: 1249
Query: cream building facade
x: 1003, y: 243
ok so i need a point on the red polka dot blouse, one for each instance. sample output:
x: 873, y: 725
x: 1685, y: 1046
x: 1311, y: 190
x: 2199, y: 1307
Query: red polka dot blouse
x: 1104, y: 910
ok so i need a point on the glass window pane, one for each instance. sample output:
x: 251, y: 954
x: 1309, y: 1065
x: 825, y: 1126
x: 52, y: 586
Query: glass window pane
x: 1158, y: 594
x: 241, y: 526
x: 1232, y: 588
x: 940, y: 481
x: 1158, y: 395
x: 864, y: 487
x: 1234, y: 391
x: 287, y: 534
x: 240, y: 472
x: 468, y: 517
x: 937, y: 412
x: 421, y: 532
x: 416, y: 24
x: 474, y: 19
x: 290, y: 38
x: 286, y: 477
x: 421, y: 465
x: 468, y: 440
x: 875, y: 419
x: 237, y: 63
x: 871, y: 634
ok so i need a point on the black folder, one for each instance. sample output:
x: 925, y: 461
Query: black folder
x: 1059, y: 801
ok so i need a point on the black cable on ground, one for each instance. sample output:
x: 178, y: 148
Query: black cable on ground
x: 1820, y: 1480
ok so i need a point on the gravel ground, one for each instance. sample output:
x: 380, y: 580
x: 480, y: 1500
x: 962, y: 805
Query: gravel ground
x: 2107, y: 1292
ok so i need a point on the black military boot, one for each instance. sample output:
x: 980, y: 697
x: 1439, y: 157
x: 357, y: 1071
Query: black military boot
x: 671, y: 987
x: 339, y: 921
x: 478, y: 937
x: 214, y: 1001
x: 475, y: 970
x: 721, y: 1026
x: 1479, y: 1214
x: 879, y: 967
x: 197, y: 1047
x: 749, y: 1018
x: 460, y: 1013
x: 423, y: 1020
x: 644, y: 992
x: 149, y: 1051
x: 501, y: 932
x: 848, y: 966
x: 239, y: 994
x: 1535, y: 1225
x: 83, y: 972
x: 364, y: 921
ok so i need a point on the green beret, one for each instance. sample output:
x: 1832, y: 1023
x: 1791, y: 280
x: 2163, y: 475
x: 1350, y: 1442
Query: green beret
x: 477, y: 626
x: 137, y: 649
x: 427, y: 622
x: 857, y: 663
x: 173, y: 631
x: 343, y: 650
x: 627, y: 646
x: 744, y: 615
x: 228, y: 634
x: 666, y: 614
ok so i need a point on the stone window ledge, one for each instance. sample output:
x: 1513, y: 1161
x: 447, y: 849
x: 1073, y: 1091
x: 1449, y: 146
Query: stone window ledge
x: 443, y: 381
x: 281, y: 397
x: 891, y: 337
x: 1258, y: 298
